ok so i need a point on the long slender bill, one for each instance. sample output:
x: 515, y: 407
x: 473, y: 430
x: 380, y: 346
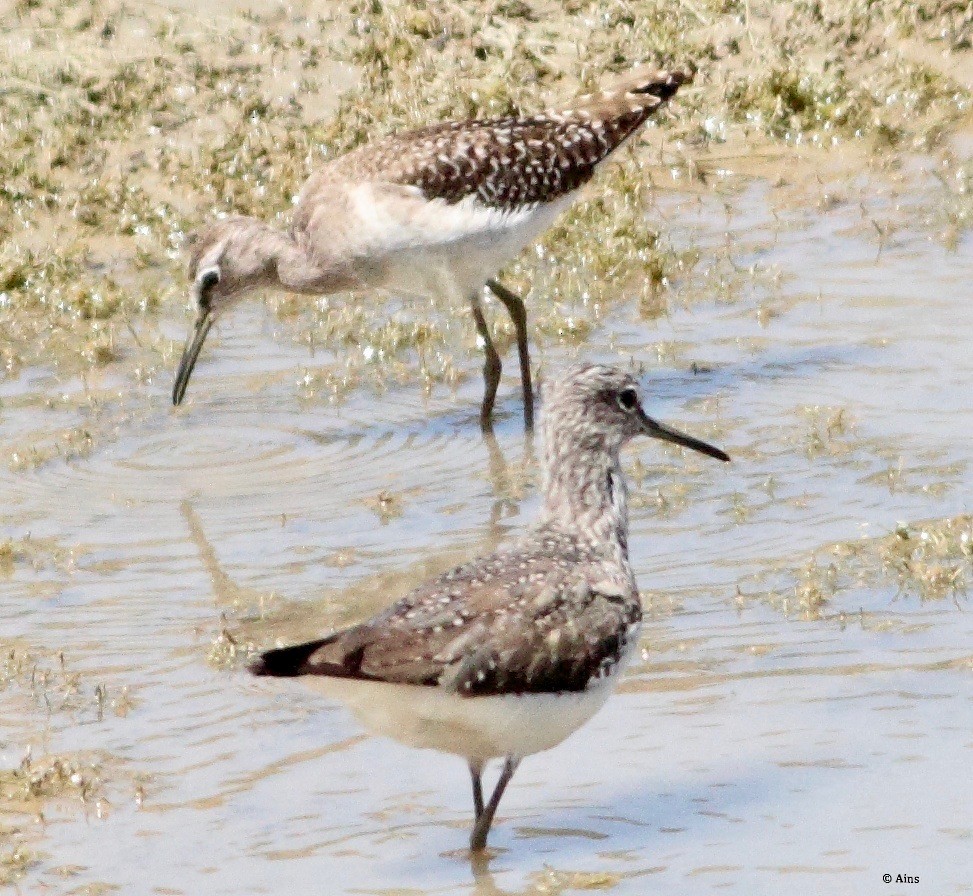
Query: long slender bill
x: 190, y: 353
x: 652, y: 428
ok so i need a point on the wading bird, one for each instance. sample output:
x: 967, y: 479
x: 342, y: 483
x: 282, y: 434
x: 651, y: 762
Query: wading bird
x: 435, y: 211
x: 508, y: 654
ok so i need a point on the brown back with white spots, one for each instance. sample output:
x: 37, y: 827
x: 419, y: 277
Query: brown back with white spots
x: 509, y: 163
x: 548, y: 616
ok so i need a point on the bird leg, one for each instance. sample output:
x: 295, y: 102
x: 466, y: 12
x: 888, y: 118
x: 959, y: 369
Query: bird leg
x: 476, y: 773
x: 518, y: 314
x: 491, y: 364
x: 481, y: 827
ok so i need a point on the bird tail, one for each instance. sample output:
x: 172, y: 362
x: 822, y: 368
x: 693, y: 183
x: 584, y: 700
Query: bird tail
x: 638, y: 93
x: 286, y: 662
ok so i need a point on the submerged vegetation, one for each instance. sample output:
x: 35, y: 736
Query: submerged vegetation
x: 924, y: 561
x: 36, y: 688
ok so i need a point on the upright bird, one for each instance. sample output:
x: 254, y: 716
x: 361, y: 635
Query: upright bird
x: 439, y: 210
x: 510, y: 653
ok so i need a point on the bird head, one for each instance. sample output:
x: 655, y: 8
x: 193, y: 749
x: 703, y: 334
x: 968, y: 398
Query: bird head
x: 600, y: 407
x: 227, y: 260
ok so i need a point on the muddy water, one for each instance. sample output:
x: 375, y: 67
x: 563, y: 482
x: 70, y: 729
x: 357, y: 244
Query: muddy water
x: 755, y: 749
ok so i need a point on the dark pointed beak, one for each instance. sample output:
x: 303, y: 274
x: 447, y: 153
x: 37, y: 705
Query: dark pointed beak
x: 657, y: 431
x: 190, y: 353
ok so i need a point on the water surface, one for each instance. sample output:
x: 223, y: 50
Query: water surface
x: 756, y: 748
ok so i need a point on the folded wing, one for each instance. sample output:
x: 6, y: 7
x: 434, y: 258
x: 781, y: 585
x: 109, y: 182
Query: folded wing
x: 510, y: 623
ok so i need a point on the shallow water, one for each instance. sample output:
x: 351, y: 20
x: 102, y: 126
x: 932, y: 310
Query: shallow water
x: 754, y: 749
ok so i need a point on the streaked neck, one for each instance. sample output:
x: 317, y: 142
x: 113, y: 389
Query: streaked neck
x: 303, y: 271
x: 290, y: 264
x: 584, y: 490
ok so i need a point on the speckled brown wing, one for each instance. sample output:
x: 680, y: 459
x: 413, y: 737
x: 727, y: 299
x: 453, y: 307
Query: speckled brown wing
x: 510, y: 163
x: 529, y: 621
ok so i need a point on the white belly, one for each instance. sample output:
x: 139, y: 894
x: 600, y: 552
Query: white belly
x: 477, y: 728
x: 434, y: 248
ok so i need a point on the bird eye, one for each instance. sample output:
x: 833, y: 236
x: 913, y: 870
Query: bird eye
x: 627, y: 399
